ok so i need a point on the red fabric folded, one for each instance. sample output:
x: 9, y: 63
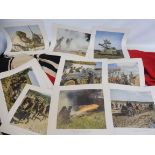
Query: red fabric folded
x: 52, y: 78
x: 149, y: 64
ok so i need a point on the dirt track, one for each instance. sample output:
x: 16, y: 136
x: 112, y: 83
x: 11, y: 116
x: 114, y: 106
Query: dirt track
x: 144, y: 120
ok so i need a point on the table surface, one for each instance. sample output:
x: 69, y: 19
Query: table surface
x: 141, y: 32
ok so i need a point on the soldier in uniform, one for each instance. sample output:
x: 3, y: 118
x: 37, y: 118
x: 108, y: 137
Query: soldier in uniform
x: 68, y: 42
x: 131, y: 78
x: 59, y: 41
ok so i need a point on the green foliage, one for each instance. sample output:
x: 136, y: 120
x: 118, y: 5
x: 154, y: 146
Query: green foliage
x: 93, y: 120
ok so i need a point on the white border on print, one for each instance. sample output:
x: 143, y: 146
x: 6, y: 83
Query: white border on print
x: 103, y: 28
x: 40, y: 75
x: 126, y: 130
x: 25, y: 23
x: 140, y: 69
x: 7, y: 127
x: 52, y: 128
x: 62, y: 64
x: 55, y: 28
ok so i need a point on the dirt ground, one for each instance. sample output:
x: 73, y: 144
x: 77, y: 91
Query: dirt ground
x: 34, y: 126
x: 80, y: 53
x: 143, y: 120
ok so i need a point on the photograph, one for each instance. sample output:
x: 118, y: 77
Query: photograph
x: 25, y: 38
x: 108, y: 45
x: 132, y: 109
x: 81, y: 109
x: 13, y: 85
x: 32, y: 114
x: 72, y: 42
x: 125, y: 73
x: 81, y: 72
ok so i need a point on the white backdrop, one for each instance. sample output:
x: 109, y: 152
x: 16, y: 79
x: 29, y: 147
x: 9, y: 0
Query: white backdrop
x: 141, y: 32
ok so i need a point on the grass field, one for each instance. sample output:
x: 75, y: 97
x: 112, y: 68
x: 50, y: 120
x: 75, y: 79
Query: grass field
x: 98, y: 54
x: 93, y: 120
x: 35, y: 126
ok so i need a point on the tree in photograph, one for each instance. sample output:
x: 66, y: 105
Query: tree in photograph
x: 106, y: 44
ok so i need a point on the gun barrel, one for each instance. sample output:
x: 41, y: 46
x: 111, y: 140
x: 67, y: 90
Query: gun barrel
x: 30, y: 29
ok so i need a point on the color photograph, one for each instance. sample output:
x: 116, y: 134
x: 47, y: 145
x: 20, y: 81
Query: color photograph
x: 108, y: 45
x: 26, y: 38
x: 132, y: 109
x: 32, y: 114
x: 124, y: 73
x: 72, y: 42
x: 80, y: 72
x: 14, y: 84
x: 81, y: 109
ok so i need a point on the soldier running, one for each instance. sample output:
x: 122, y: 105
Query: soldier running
x: 68, y: 42
x: 59, y: 41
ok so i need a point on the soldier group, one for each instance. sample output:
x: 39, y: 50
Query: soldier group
x: 59, y: 41
x: 32, y: 108
x: 81, y: 73
x: 121, y: 78
x: 16, y: 86
x: 131, y: 108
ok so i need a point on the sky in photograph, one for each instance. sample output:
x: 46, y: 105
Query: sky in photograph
x: 126, y: 67
x: 95, y: 65
x: 33, y: 78
x: 12, y: 30
x: 114, y: 37
x: 98, y: 64
x: 126, y: 95
x: 78, y: 40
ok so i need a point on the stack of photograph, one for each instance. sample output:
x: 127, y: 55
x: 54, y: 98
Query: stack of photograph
x: 80, y: 81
